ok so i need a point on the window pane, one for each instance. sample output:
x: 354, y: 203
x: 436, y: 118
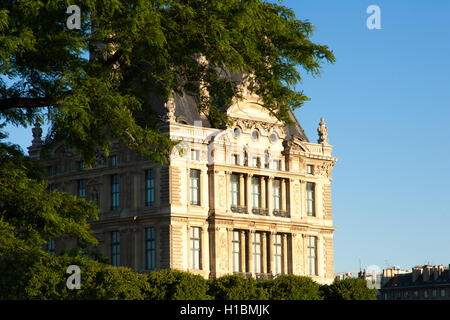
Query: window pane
x: 312, y: 255
x: 256, y: 192
x: 234, y: 190
x: 115, y: 248
x: 195, y: 187
x: 276, y: 193
x: 236, y: 247
x: 149, y: 188
x: 310, y: 199
x: 150, y: 248
x: 195, y: 248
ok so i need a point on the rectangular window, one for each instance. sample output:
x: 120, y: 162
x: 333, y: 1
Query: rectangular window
x: 257, y: 252
x: 195, y: 248
x: 256, y: 192
x: 312, y: 256
x: 309, y: 169
x: 51, y: 171
x: 82, y: 189
x: 51, y: 247
x: 115, y: 192
x: 195, y: 187
x: 115, y: 248
x: 113, y: 161
x: 149, y: 188
x: 278, y: 254
x: 235, y: 159
x: 255, y: 162
x: 310, y: 199
x: 80, y: 165
x: 276, y: 165
x: 234, y: 189
x: 51, y: 187
x: 276, y: 194
x: 150, y: 253
x: 236, y: 248
x: 442, y: 292
x: 195, y: 155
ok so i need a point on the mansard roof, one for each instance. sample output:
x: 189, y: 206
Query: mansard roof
x: 186, y: 111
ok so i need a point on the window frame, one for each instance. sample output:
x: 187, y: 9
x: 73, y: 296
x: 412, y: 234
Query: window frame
x: 194, y: 175
x: 115, y: 192
x: 196, y: 248
x: 149, y: 188
x: 311, y: 199
x: 150, y: 248
x: 234, y: 190
x: 312, y: 256
x: 115, y: 248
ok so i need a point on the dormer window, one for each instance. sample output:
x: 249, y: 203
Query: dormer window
x: 273, y: 138
x: 236, y: 132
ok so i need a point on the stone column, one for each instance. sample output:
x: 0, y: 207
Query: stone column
x: 204, y: 246
x: 271, y: 258
x: 264, y: 252
x: 188, y: 241
x: 241, y: 190
x: 230, y: 249
x: 320, y: 256
x: 228, y: 191
x: 250, y: 251
x: 285, y: 257
x: 242, y: 250
x: 269, y: 195
x: 249, y: 193
x: 283, y: 194
x: 305, y: 255
x: 302, y: 204
x: 263, y: 193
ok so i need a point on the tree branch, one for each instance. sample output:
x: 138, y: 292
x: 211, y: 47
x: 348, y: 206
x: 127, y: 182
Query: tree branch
x: 30, y: 103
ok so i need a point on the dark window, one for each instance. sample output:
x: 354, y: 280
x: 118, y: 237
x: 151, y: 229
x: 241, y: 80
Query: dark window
x: 114, y: 192
x: 150, y: 257
x: 149, y: 188
x: 82, y: 189
x: 115, y: 248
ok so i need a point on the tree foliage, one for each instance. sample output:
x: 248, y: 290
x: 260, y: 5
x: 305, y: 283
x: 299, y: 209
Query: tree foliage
x: 348, y: 289
x: 291, y: 287
x: 176, y: 285
x: 235, y: 287
x: 96, y: 81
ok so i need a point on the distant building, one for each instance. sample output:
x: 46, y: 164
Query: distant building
x: 422, y: 283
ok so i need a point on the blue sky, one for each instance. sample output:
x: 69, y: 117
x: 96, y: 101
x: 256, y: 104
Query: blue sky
x: 386, y: 101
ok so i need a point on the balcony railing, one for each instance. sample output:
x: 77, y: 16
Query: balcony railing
x: 259, y: 276
x: 280, y: 213
x: 260, y: 211
x: 239, y: 209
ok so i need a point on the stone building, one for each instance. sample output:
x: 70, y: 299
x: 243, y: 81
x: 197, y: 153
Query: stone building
x: 422, y: 283
x: 251, y: 199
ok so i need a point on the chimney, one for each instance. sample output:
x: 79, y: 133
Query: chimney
x: 416, y: 272
x: 427, y: 273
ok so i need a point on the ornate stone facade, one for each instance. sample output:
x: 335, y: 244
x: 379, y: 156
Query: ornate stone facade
x: 252, y: 199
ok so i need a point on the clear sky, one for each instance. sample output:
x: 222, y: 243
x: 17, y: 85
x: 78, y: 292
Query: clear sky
x: 386, y: 102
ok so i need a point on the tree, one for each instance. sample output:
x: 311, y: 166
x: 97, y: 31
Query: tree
x: 235, y: 287
x: 348, y: 289
x: 176, y: 285
x: 95, y: 81
x: 291, y: 287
